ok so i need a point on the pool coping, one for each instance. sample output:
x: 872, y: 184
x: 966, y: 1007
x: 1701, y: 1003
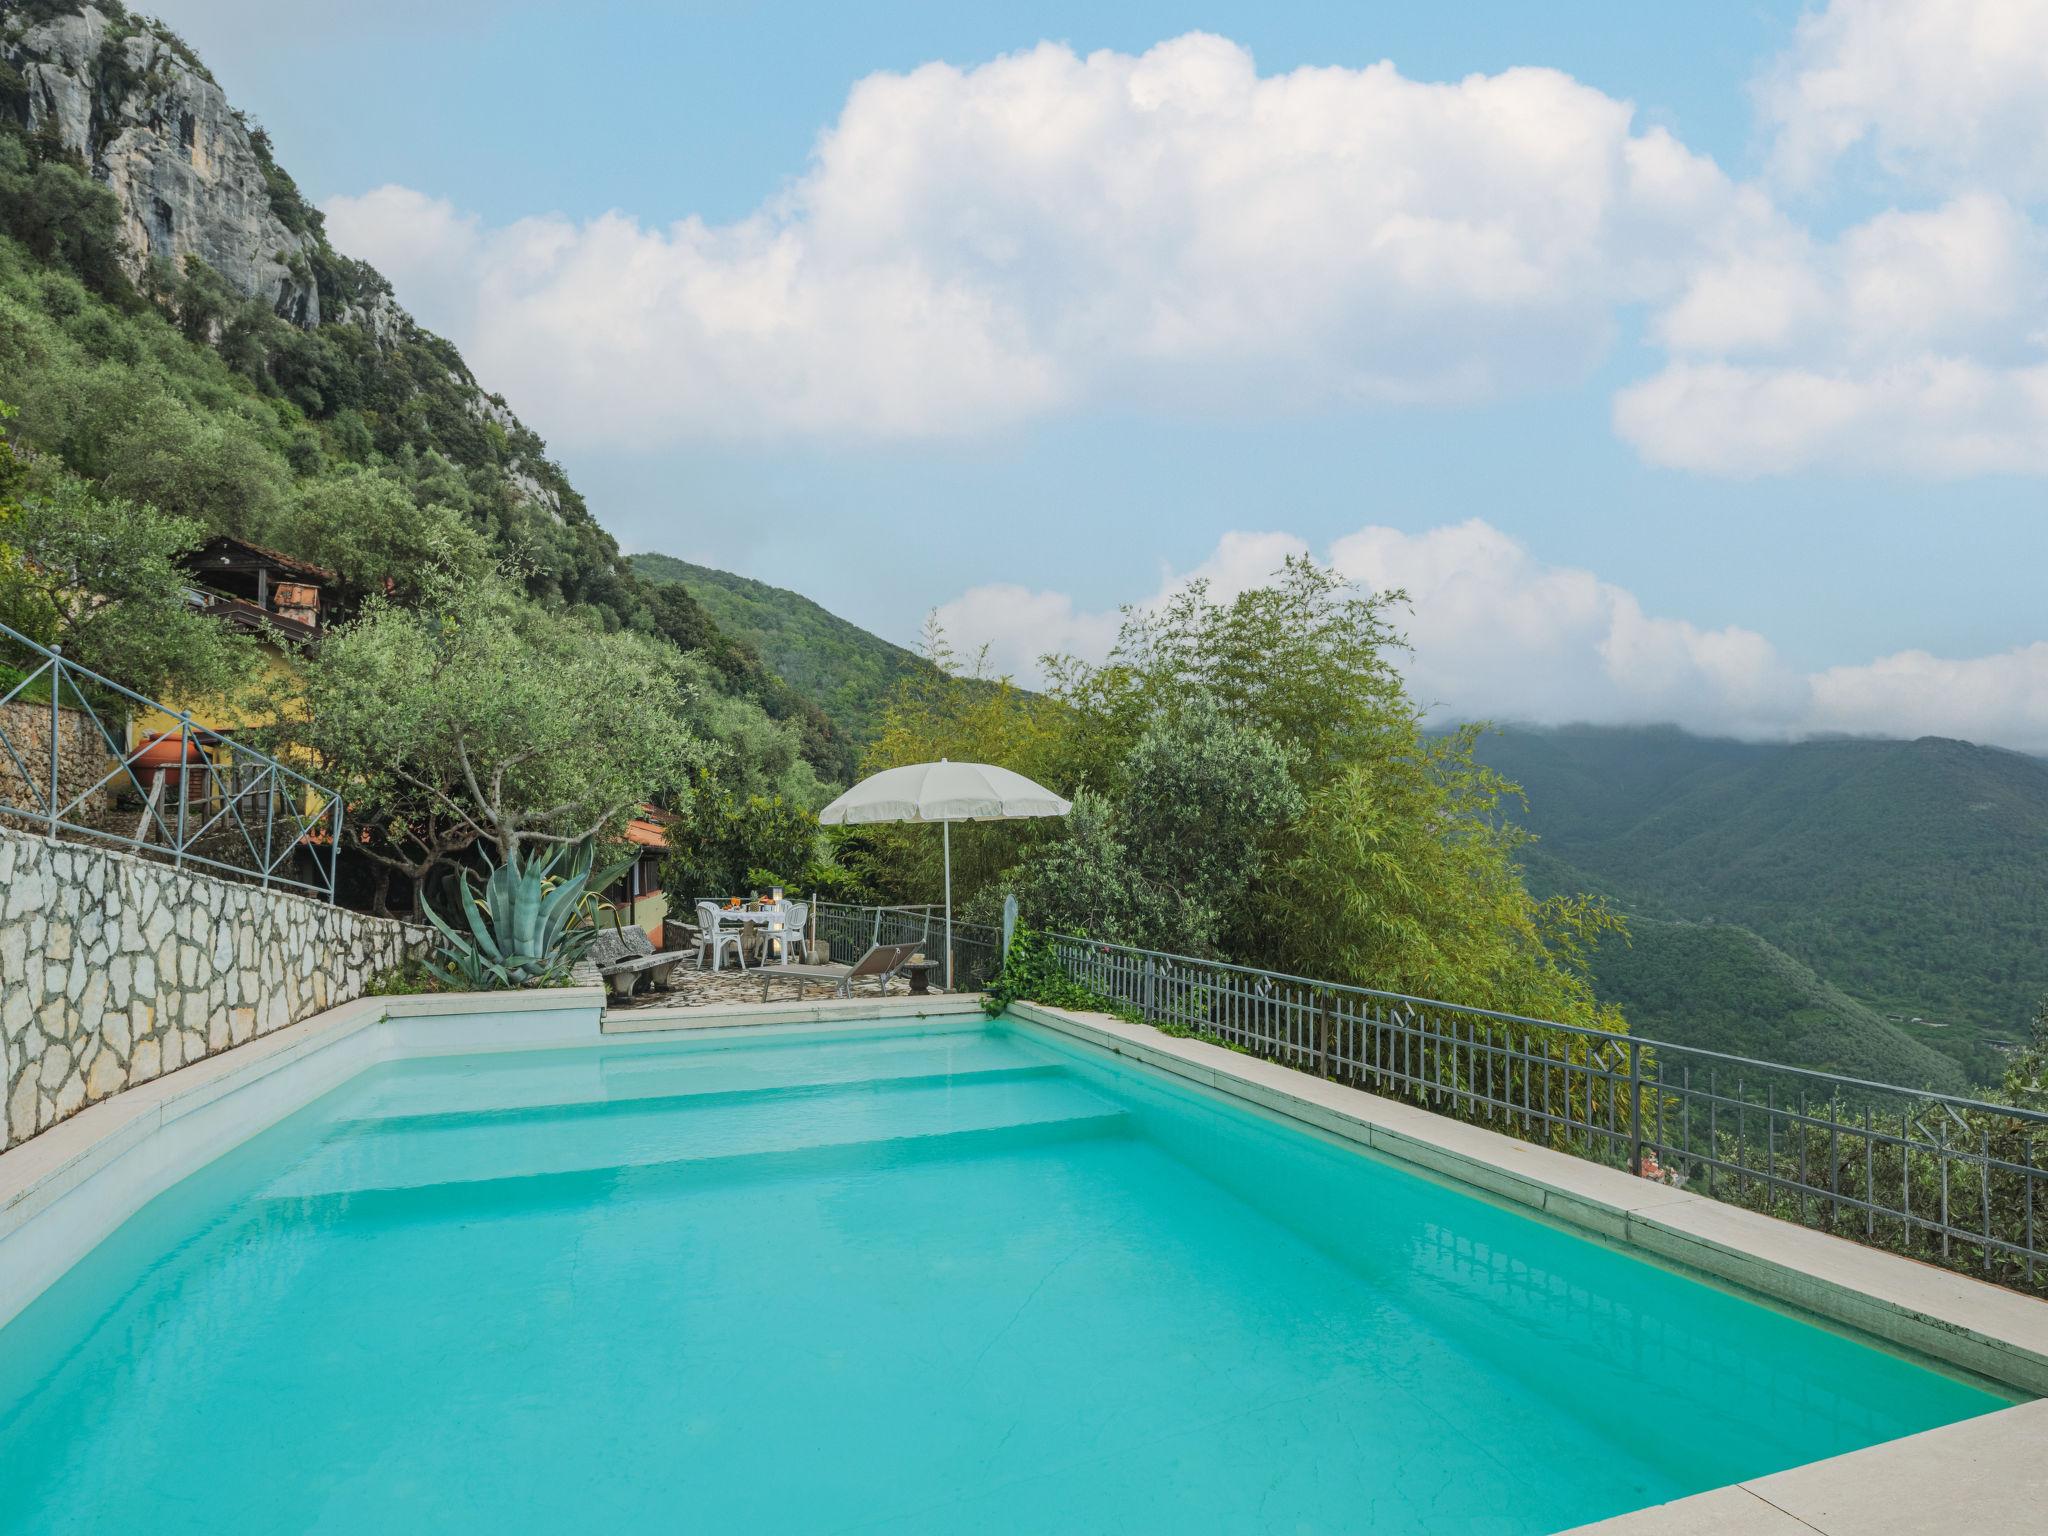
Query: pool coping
x: 1981, y: 1474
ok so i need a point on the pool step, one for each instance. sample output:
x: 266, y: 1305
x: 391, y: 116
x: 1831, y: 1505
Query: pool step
x: 648, y: 1098
x: 479, y: 1200
x: 639, y: 1071
x: 419, y: 1151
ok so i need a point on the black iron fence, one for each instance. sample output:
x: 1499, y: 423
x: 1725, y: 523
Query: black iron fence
x: 81, y: 758
x: 851, y: 931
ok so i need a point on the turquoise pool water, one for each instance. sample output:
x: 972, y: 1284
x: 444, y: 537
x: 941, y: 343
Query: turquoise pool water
x: 974, y: 1279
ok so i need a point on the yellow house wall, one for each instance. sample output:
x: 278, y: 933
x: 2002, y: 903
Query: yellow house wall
x: 232, y: 715
x: 222, y: 714
x: 648, y: 912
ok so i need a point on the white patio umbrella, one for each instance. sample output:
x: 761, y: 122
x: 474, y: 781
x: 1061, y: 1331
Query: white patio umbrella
x: 944, y: 792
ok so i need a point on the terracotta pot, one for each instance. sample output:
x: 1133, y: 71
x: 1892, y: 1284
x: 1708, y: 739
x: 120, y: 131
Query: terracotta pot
x: 160, y: 752
x: 156, y: 761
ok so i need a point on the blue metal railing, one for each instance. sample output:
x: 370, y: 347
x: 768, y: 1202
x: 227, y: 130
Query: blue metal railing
x: 189, y: 795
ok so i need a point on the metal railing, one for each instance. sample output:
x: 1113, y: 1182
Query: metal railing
x: 191, y: 796
x: 1939, y: 1176
x: 851, y: 930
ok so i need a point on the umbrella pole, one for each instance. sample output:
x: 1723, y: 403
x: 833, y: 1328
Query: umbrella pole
x: 948, y: 833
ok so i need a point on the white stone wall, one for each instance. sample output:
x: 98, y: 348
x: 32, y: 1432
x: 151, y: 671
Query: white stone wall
x: 115, y: 970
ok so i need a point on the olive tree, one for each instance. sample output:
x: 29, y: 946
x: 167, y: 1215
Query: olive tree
x: 479, y: 718
x: 103, y: 578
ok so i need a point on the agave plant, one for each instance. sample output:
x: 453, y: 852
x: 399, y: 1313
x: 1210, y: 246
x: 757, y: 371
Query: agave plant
x: 522, y: 931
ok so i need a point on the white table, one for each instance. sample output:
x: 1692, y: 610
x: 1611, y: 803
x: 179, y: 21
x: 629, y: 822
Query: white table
x: 759, y: 917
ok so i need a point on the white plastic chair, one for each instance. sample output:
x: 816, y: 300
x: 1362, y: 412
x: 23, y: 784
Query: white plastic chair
x: 795, y: 915
x: 715, y: 934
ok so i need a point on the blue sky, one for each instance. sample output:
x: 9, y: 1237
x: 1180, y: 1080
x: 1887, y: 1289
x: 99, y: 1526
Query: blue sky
x: 1731, y: 448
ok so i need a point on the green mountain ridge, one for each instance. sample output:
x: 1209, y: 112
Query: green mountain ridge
x: 846, y: 671
x: 1910, y: 875
x: 1720, y: 987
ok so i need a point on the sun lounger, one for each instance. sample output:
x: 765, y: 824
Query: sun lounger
x: 882, y: 963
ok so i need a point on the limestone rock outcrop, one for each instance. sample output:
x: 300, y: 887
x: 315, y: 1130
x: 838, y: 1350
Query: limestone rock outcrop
x: 189, y: 173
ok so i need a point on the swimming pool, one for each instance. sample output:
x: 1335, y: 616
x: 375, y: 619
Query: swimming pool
x: 904, y: 1279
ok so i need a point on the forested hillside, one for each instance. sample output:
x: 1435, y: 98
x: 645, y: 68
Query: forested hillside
x: 1910, y: 875
x: 174, y: 341
x: 846, y: 671
x: 183, y: 354
x: 1722, y: 988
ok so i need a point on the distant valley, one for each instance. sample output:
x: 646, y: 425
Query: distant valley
x: 1877, y: 900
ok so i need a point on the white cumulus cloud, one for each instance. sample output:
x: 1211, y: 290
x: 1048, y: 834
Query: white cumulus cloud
x: 1936, y: 91
x: 1497, y: 633
x: 972, y: 247
x: 1915, y: 342
x: 1046, y: 233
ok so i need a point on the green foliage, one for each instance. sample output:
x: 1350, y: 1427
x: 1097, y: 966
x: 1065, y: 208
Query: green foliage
x: 409, y: 978
x: 209, y: 469
x: 531, y: 925
x: 1032, y: 973
x: 51, y: 204
x: 368, y: 528
x: 1170, y: 864
x: 100, y: 576
x: 2025, y: 1079
x: 36, y: 12
x: 732, y: 844
x: 682, y: 620
x: 1251, y: 781
x: 1304, y: 657
x: 1720, y: 987
x: 1907, y: 874
x: 831, y: 879
x: 291, y: 208
x: 846, y: 674
x: 1403, y: 876
x: 488, y: 720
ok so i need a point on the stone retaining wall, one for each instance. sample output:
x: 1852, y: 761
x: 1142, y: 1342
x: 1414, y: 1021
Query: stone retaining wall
x: 115, y: 970
x: 82, y: 758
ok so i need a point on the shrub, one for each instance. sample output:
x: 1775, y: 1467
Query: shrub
x: 1032, y: 973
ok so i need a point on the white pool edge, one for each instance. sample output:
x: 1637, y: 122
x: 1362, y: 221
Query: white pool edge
x: 880, y: 1008
x: 1987, y: 1474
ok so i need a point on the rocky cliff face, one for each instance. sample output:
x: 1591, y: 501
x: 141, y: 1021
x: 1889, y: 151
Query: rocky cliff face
x: 123, y: 99
x: 190, y: 176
